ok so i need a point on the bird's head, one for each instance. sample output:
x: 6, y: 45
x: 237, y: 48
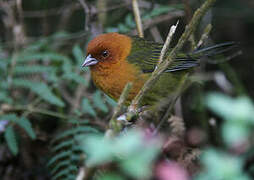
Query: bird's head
x: 107, y: 49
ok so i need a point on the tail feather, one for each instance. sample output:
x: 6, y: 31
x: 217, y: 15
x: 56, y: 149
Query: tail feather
x: 214, y: 51
x: 215, y: 47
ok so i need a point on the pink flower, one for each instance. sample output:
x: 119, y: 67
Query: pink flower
x: 171, y: 171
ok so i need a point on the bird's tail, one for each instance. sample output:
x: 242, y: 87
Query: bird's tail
x: 218, y: 53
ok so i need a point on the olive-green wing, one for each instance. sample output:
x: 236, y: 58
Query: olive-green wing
x: 146, y: 54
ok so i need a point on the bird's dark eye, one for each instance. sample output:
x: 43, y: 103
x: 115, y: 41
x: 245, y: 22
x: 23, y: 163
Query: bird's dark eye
x: 105, y: 53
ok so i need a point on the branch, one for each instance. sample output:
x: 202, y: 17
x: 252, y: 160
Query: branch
x: 87, y: 13
x: 162, y: 66
x: 114, y: 124
x: 137, y: 18
x: 159, y: 19
x: 204, y: 35
x: 167, y: 42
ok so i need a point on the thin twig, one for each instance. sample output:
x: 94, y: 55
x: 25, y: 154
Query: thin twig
x: 190, y: 28
x: 204, y: 35
x: 114, y: 124
x: 87, y: 13
x: 159, y: 19
x: 167, y: 42
x: 137, y: 18
x: 156, y: 34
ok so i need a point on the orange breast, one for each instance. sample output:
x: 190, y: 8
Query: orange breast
x: 112, y: 80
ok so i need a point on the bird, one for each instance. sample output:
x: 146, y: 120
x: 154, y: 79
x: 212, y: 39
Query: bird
x: 116, y: 59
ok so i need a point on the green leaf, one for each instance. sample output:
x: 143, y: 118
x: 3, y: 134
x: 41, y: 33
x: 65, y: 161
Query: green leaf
x: 27, y: 69
x: 110, y: 176
x: 76, y: 78
x: 3, y: 64
x: 78, y: 54
x: 234, y: 133
x: 59, y: 156
x: 98, y: 102
x: 75, y: 131
x: 36, y: 46
x: 162, y: 10
x: 123, y: 28
x: 11, y: 140
x: 22, y: 122
x: 109, y: 100
x: 98, y: 149
x: 87, y: 107
x: 139, y: 165
x: 4, y: 98
x: 10, y: 117
x: 48, y: 56
x: 41, y: 89
x: 26, y: 125
x: 240, y: 109
x: 128, y: 149
x: 129, y: 21
x: 220, y: 165
x: 111, y: 29
x: 62, y: 145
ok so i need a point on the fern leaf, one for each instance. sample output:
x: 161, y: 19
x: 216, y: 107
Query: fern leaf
x: 76, y: 78
x: 60, y: 165
x: 9, y: 117
x: 78, y: 54
x: 87, y: 107
x: 59, y: 156
x: 4, y: 98
x: 11, y: 140
x: 26, y: 69
x: 26, y: 125
x: 34, y: 47
x: 75, y: 131
x: 48, y: 56
x: 68, y: 151
x: 110, y: 101
x: 62, y: 145
x: 41, y: 89
x: 79, y: 122
x: 22, y: 122
x: 98, y: 102
x: 65, y: 173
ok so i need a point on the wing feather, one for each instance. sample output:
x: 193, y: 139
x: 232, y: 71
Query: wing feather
x: 146, y: 55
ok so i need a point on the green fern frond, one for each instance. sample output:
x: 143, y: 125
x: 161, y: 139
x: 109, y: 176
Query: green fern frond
x: 60, y: 165
x: 75, y: 77
x: 61, y: 146
x: 87, y: 107
x: 32, y: 69
x: 78, y: 54
x: 79, y: 122
x: 27, y: 126
x: 11, y: 140
x: 99, y: 102
x: 22, y: 122
x: 41, y: 89
x: 75, y: 131
x: 67, y: 150
x: 65, y: 174
x: 4, y: 97
x: 59, y: 156
x: 48, y: 56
